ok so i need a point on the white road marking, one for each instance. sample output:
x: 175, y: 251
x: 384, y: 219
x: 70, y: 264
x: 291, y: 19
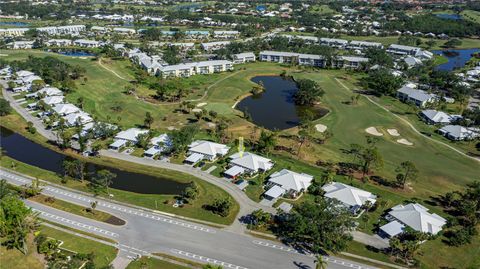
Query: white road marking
x: 206, y: 259
x: 141, y: 213
x: 74, y: 223
x: 292, y: 250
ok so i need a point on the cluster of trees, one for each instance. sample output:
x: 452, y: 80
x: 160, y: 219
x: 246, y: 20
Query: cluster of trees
x: 322, y: 226
x: 366, y: 158
x: 5, y: 108
x: 52, y: 70
x: 220, y: 206
x: 182, y: 138
x: 382, y: 82
x: 308, y: 93
x: 433, y: 24
x: 465, y: 207
x: 406, y: 245
x: 190, y: 193
x: 17, y: 221
x: 99, y: 181
x: 168, y: 90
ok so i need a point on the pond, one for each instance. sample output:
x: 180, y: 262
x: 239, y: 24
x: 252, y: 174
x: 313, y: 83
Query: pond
x: 447, y: 16
x: 457, y: 58
x: 275, y: 107
x: 26, y: 151
x: 14, y: 23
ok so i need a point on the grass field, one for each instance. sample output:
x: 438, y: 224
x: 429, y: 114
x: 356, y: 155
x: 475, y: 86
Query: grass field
x: 13, y: 258
x: 73, y: 208
x: 471, y: 15
x: 104, y: 254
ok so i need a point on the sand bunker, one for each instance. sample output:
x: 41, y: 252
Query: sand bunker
x: 196, y: 110
x: 393, y: 132
x: 321, y: 128
x: 404, y: 142
x: 373, y: 131
x: 201, y: 104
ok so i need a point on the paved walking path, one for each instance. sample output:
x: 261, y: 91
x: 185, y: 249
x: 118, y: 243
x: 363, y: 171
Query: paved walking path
x: 246, y: 204
x: 411, y: 125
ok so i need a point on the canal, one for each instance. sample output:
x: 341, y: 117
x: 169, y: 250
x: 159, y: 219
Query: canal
x: 29, y: 152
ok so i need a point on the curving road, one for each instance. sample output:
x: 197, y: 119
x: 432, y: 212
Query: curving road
x: 146, y: 233
x: 246, y: 204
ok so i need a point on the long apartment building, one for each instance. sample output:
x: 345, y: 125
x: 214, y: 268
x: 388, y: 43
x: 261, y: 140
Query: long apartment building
x: 195, y: 68
x: 63, y: 30
x: 403, y: 50
x: 13, y: 32
x: 311, y: 59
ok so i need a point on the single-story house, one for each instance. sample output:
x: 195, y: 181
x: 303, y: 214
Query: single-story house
x: 53, y: 100
x: 46, y: 91
x: 77, y: 118
x: 458, y: 132
x: 293, y: 183
x: 205, y: 150
x: 416, y: 217
x: 65, y: 109
x: 130, y: 135
x: 412, y: 61
x: 418, y: 97
x: 432, y: 116
x: 24, y: 73
x: 159, y: 144
x: 246, y: 162
x: 351, y: 197
x: 391, y: 229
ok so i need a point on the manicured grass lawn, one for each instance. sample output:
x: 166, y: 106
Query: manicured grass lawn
x: 104, y: 254
x: 322, y: 9
x: 72, y: 208
x: 13, y: 258
x: 152, y: 263
x: 471, y: 15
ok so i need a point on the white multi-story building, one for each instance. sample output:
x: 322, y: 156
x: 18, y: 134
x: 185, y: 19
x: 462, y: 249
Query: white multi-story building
x: 244, y: 57
x: 59, y: 42
x: 12, y: 32
x: 63, y: 30
x: 189, y: 69
x: 87, y: 43
x: 226, y: 34
x: 211, y: 46
x: 20, y: 45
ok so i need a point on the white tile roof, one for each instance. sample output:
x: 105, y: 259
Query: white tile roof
x: 289, y: 180
x: 130, y: 134
x: 347, y: 194
x: 251, y: 161
x: 208, y: 148
x: 65, y: 109
x: 418, y: 218
x: 275, y: 192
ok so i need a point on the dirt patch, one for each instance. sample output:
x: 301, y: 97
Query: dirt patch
x: 115, y: 221
x: 393, y: 132
x: 404, y: 142
x: 373, y: 131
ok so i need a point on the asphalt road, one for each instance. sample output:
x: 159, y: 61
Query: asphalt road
x: 147, y: 232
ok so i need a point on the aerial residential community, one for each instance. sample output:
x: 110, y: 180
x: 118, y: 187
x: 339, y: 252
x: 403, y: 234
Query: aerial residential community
x: 250, y: 135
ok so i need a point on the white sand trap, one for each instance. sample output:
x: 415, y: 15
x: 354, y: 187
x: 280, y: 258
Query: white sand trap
x: 196, y: 110
x: 373, y: 131
x: 171, y: 128
x: 3, y: 55
x: 201, y: 104
x: 321, y: 128
x: 404, y: 142
x: 393, y: 132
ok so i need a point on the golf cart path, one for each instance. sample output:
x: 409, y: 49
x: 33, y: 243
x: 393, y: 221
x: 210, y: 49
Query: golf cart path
x: 411, y: 125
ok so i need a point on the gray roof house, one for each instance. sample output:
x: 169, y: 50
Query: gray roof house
x: 351, y: 197
x: 416, y: 217
x: 458, y: 132
x: 418, y: 97
x: 247, y: 162
x: 432, y: 116
x: 293, y: 183
x: 205, y: 150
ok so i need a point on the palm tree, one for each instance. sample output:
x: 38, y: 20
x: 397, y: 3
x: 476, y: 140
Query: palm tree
x: 320, y: 262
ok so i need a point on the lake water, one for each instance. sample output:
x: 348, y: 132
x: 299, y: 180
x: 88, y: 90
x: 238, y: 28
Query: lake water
x: 26, y: 151
x: 449, y: 16
x: 14, y: 23
x: 456, y: 60
x: 275, y: 108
